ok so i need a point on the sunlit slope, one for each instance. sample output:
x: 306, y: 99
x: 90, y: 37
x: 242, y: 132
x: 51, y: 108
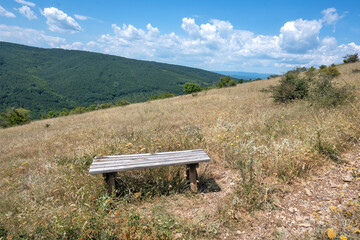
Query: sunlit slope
x: 44, y: 165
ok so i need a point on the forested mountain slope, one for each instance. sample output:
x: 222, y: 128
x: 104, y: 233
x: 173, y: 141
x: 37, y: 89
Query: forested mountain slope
x: 51, y: 79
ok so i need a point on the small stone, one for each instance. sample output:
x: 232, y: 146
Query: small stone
x: 307, y: 191
x: 305, y: 224
x: 238, y: 232
x: 347, y: 178
x: 292, y: 210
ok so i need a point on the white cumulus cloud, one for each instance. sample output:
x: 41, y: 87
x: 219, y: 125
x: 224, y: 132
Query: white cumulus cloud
x: 28, y: 36
x: 27, y: 12
x: 73, y: 46
x: 58, y: 21
x: 330, y: 16
x: 300, y: 35
x: 5, y: 13
x: 217, y: 44
x: 31, y: 4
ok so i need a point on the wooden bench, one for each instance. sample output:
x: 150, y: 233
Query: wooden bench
x: 110, y: 165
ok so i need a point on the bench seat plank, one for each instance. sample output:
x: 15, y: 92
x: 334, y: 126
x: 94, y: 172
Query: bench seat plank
x: 118, y: 163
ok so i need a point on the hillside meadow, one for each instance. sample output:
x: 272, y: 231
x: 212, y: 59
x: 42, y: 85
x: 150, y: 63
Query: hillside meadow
x: 255, y: 146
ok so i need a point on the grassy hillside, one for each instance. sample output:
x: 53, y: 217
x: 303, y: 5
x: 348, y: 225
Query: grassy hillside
x: 258, y: 149
x: 41, y: 80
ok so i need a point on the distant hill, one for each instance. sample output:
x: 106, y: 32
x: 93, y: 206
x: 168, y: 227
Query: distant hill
x: 244, y: 75
x: 51, y: 79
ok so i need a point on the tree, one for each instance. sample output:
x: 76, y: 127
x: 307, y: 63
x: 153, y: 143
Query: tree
x: 15, y: 116
x: 351, y: 58
x: 226, y: 82
x: 191, y: 88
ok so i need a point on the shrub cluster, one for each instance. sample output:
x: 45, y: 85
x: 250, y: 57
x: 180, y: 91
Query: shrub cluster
x: 14, y: 116
x: 226, y: 82
x: 315, y: 86
x: 351, y: 58
x: 78, y: 110
x: 191, y: 88
x: 162, y: 96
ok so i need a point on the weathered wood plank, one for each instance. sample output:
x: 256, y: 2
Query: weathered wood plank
x: 141, y: 166
x: 148, y: 156
x: 145, y: 161
x: 118, y: 163
x: 152, y: 154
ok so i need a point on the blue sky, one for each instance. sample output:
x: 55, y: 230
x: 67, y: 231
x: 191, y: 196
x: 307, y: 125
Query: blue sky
x: 253, y: 36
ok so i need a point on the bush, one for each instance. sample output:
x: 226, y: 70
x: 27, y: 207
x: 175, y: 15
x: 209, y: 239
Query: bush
x: 291, y: 87
x: 162, y: 96
x: 191, y: 88
x: 351, y: 58
x: 14, y: 116
x: 226, y: 82
x: 331, y: 71
x: 322, y: 67
x: 122, y: 102
x: 318, y: 88
x: 310, y: 73
x: 324, y: 92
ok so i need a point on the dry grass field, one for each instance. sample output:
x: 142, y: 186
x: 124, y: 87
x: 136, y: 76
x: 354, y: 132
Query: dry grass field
x: 256, y: 146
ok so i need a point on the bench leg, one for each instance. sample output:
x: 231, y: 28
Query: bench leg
x: 192, y: 176
x: 110, y: 181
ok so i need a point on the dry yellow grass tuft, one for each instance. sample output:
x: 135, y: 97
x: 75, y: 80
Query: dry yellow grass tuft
x: 45, y: 189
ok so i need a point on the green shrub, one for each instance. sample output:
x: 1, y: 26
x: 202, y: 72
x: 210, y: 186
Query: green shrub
x: 291, y: 87
x: 162, y: 96
x: 331, y: 71
x: 351, y: 58
x: 232, y: 83
x: 226, y: 82
x: 122, y: 102
x: 318, y: 88
x: 322, y: 67
x: 324, y: 92
x: 310, y: 73
x: 191, y: 88
x: 14, y: 116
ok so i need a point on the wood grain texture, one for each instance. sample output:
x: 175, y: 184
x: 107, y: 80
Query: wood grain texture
x: 118, y: 163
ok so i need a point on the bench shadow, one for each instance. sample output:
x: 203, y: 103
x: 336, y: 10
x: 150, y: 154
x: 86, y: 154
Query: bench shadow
x: 208, y: 185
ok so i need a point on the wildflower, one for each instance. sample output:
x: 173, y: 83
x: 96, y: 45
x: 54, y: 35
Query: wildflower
x: 346, y: 168
x: 331, y: 233
x: 170, y: 186
x: 332, y: 208
x: 342, y: 237
x: 197, y: 181
x: 339, y: 210
x: 349, y: 227
x: 357, y: 230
